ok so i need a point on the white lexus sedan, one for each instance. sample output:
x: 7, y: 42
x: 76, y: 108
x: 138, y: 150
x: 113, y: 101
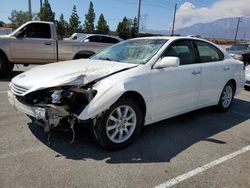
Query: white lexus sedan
x: 128, y: 85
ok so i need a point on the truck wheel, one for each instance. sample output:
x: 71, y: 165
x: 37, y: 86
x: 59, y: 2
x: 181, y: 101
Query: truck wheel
x: 5, y: 67
x: 11, y: 66
x: 119, y: 125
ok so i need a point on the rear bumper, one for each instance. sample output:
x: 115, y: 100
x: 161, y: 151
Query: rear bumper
x: 36, y: 112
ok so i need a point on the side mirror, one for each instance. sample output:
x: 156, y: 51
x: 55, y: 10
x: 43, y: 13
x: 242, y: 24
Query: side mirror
x: 227, y: 48
x: 167, y: 62
x: 86, y: 40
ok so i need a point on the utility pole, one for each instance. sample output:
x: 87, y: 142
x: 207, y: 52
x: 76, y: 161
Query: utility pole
x: 138, y: 17
x: 30, y: 11
x: 237, y: 28
x: 41, y: 4
x: 175, y: 7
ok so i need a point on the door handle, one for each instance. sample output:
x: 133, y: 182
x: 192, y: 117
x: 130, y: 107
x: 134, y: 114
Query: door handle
x: 196, y: 72
x: 47, y: 43
x: 226, y: 68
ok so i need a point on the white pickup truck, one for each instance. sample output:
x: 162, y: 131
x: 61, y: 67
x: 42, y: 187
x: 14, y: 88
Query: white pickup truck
x: 36, y: 42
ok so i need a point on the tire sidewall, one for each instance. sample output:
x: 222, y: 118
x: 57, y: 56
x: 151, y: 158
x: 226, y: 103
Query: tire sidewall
x: 220, y: 104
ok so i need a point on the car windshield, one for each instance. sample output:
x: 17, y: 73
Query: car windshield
x: 241, y: 47
x: 136, y: 51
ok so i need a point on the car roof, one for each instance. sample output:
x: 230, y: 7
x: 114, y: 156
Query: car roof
x: 172, y: 38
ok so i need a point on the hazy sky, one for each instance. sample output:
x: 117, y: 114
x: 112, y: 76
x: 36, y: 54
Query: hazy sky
x: 155, y: 14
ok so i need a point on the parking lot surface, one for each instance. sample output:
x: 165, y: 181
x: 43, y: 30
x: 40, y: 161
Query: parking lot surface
x: 173, y: 148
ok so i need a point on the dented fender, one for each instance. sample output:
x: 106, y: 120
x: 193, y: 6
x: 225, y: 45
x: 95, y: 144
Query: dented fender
x: 102, y: 101
x: 112, y: 88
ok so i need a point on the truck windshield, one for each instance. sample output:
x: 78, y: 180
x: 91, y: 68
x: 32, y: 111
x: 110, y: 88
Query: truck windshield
x: 136, y: 51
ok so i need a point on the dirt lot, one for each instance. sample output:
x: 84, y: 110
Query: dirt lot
x: 162, y: 154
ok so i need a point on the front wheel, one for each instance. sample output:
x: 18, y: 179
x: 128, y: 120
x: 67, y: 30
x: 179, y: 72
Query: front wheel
x: 119, y: 125
x: 226, y: 97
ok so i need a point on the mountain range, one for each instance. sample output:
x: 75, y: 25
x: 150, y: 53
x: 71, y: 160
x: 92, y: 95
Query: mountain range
x: 223, y: 28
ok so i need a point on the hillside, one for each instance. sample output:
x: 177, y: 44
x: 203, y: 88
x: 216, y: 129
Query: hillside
x: 223, y: 28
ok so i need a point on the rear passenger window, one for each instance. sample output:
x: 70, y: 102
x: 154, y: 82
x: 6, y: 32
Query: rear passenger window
x: 94, y: 39
x: 182, y: 49
x: 109, y: 40
x: 208, y: 52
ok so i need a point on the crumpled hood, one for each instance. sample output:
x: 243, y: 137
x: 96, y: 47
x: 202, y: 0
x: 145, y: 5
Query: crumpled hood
x: 67, y: 72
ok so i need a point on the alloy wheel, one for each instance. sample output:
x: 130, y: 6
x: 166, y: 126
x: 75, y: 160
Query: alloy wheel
x: 227, y: 96
x: 121, y: 124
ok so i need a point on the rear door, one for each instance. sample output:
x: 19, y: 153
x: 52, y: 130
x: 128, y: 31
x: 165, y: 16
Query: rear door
x: 212, y: 72
x: 34, y: 45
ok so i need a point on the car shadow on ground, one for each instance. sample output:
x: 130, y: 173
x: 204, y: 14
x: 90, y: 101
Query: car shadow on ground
x: 9, y: 77
x: 159, y: 142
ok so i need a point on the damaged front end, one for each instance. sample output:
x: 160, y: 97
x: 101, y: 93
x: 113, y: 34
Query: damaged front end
x: 57, y: 107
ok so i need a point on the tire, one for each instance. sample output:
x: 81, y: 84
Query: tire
x: 226, y: 98
x: 119, y: 125
x: 11, y: 67
x: 5, y: 67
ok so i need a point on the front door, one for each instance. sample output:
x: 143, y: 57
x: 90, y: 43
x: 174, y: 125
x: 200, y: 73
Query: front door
x: 34, y: 45
x: 176, y: 89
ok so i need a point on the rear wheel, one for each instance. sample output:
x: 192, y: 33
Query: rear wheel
x: 119, y: 125
x: 226, y: 97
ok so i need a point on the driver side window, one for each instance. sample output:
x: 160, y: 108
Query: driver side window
x: 182, y: 49
x: 36, y: 30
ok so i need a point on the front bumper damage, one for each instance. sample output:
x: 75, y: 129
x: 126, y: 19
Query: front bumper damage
x: 48, y: 117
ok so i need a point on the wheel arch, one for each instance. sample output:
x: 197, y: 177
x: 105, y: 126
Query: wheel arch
x: 234, y: 84
x: 138, y: 98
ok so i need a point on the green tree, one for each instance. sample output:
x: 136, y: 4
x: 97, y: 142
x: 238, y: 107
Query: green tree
x: 18, y: 18
x: 62, y: 27
x: 46, y: 13
x: 74, y: 22
x: 123, y: 29
x: 90, y: 19
x: 134, y: 28
x: 2, y: 23
x: 102, y: 26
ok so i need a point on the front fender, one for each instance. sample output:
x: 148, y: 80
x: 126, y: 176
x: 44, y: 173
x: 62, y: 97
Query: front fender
x: 102, y: 101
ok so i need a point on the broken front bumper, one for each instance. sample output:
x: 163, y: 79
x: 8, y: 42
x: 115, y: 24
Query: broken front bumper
x: 50, y: 114
x: 33, y: 111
